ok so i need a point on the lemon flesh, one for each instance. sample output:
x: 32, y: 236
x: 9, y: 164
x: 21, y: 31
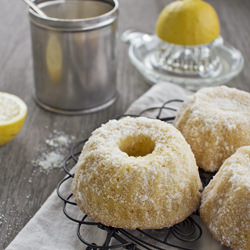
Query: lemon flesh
x: 188, y: 23
x: 12, y: 115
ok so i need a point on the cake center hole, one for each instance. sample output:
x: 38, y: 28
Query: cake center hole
x: 139, y: 145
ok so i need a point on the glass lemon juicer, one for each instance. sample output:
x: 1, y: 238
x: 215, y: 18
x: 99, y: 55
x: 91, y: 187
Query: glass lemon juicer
x: 185, y: 51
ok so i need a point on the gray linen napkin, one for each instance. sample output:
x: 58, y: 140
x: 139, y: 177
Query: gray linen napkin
x: 49, y: 229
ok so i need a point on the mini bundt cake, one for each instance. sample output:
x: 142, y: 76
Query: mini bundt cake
x: 137, y: 173
x: 215, y: 122
x: 225, y: 206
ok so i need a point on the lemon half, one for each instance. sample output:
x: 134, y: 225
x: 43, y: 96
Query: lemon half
x: 12, y: 115
x: 188, y: 23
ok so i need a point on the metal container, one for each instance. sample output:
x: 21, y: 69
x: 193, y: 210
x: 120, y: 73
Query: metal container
x: 74, y: 55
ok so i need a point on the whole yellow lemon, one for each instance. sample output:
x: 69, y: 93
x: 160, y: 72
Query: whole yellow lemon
x: 188, y: 23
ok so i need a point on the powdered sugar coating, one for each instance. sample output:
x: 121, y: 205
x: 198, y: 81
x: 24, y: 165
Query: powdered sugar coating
x: 225, y: 206
x: 215, y: 122
x: 156, y: 190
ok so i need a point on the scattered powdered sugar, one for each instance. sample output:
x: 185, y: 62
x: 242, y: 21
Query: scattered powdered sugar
x: 59, y: 140
x: 53, y: 152
x: 1, y: 219
x: 50, y: 160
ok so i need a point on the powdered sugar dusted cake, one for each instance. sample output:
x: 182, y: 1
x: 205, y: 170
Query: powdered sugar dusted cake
x: 215, y: 122
x: 137, y: 173
x: 225, y: 206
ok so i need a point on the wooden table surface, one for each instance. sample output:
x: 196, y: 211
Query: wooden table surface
x: 23, y: 188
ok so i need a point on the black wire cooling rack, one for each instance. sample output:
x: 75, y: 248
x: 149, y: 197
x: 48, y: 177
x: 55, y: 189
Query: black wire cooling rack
x: 184, y: 233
